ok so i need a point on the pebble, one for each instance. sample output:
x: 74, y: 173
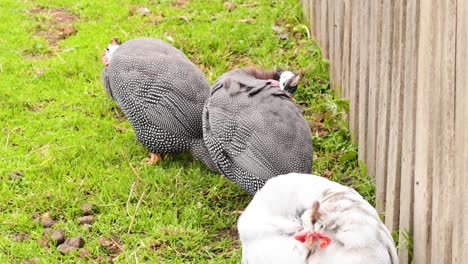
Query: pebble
x: 58, y: 236
x: 88, y: 219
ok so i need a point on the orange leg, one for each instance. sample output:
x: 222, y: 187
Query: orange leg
x: 153, y: 159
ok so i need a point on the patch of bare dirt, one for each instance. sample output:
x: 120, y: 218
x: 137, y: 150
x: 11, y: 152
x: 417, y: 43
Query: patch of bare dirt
x: 179, y: 3
x: 138, y: 9
x: 230, y: 233
x: 317, y: 125
x: 54, y: 24
x: 155, y: 246
x: 113, y: 245
x: 327, y: 174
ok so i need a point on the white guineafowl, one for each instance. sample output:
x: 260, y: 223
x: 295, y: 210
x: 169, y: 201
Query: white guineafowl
x: 254, y: 130
x: 161, y: 92
x: 307, y: 219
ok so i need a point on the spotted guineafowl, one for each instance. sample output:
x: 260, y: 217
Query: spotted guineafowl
x: 254, y: 130
x: 162, y: 94
x: 305, y: 219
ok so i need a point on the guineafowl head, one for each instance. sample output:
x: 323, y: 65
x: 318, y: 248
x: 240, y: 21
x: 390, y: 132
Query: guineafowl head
x: 288, y: 81
x: 109, y: 51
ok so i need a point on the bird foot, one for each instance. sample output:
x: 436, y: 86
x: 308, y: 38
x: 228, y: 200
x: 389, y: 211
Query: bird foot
x: 153, y: 159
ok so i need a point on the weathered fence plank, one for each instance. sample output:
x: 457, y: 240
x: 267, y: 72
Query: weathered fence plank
x: 346, y: 62
x: 460, y: 225
x: 330, y: 37
x: 384, y: 103
x: 316, y: 11
x: 444, y: 125
x: 424, y: 144
x: 324, y: 28
x: 354, y: 69
x: 375, y: 39
x: 408, y: 131
x: 338, y: 46
x: 361, y: 137
x: 394, y: 141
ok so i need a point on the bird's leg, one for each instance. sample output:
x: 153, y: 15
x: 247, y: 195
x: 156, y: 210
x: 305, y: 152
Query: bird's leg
x: 153, y: 159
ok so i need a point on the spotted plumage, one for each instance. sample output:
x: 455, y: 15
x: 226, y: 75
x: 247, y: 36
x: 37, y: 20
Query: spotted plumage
x: 273, y: 225
x: 254, y: 130
x: 161, y: 92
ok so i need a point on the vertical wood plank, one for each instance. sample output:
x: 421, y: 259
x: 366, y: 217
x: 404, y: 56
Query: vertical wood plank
x: 305, y: 9
x: 460, y: 232
x: 363, y: 78
x: 347, y: 32
x: 318, y: 18
x: 436, y: 129
x: 374, y: 82
x: 324, y: 28
x: 338, y: 46
x: 331, y: 42
x: 394, y: 143
x: 354, y: 70
x: 408, y: 130
x: 384, y: 103
x: 423, y: 170
x: 312, y: 17
x: 442, y: 213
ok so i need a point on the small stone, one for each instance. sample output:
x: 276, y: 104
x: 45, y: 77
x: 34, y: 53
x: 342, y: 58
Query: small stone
x: 46, y: 220
x: 89, y: 219
x: 65, y: 248
x: 21, y: 237
x: 47, y: 223
x: 86, y: 208
x: 143, y: 10
x: 44, y: 241
x: 16, y: 175
x: 86, y: 227
x: 83, y: 252
x: 31, y: 261
x: 76, y: 242
x: 283, y: 36
x: 229, y: 6
x: 67, y: 30
x: 58, y: 236
x: 47, y: 231
x: 36, y: 217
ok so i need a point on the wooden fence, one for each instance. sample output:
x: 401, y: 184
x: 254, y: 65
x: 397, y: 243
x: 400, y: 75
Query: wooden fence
x: 404, y: 67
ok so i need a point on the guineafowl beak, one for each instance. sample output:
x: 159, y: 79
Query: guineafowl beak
x: 110, y: 49
x: 105, y: 57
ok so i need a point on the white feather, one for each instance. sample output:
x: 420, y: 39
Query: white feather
x: 267, y: 226
x: 285, y: 76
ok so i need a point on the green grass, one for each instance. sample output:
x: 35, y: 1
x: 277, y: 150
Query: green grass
x: 73, y: 145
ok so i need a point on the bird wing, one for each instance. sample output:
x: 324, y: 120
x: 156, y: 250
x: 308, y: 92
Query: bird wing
x: 169, y: 89
x: 259, y: 127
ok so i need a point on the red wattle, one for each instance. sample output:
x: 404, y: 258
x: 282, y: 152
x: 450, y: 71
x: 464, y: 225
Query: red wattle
x: 105, y: 59
x: 301, y: 236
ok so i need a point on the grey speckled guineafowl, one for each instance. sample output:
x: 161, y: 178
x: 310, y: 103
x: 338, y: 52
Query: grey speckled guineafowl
x: 161, y: 92
x: 254, y: 130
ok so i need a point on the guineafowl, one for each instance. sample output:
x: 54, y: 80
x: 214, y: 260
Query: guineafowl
x: 162, y: 94
x: 253, y: 129
x: 305, y: 219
